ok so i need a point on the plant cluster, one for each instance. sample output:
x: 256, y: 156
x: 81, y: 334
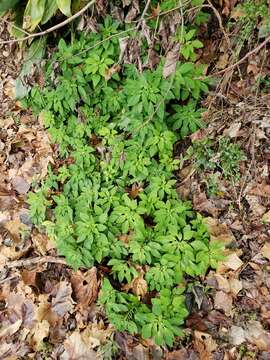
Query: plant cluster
x: 252, y: 14
x: 112, y: 199
x: 32, y: 13
x: 224, y: 157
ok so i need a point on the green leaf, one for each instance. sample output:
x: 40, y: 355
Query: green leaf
x: 186, y: 67
x: 33, y: 14
x: 185, y: 51
x: 50, y: 9
x: 8, y: 4
x: 147, y: 331
x: 197, y: 44
x: 64, y: 6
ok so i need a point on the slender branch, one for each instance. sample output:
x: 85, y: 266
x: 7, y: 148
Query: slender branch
x: 143, y: 14
x: 254, y: 51
x: 34, y: 261
x: 145, y: 9
x: 53, y: 28
x: 211, y: 6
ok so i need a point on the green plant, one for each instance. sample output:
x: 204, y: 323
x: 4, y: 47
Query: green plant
x: 253, y: 14
x: 33, y: 13
x: 187, y: 118
x: 112, y: 200
x: 225, y: 157
x: 109, y: 350
x: 189, y: 43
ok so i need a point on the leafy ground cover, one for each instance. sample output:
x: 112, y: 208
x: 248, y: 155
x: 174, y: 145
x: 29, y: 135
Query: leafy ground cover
x: 49, y: 310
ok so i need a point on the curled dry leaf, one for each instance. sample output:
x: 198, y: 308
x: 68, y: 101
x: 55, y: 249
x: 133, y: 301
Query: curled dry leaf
x: 11, y: 329
x: 96, y: 334
x: 139, y: 286
x: 266, y: 250
x: 234, y: 130
x: 63, y: 302
x: 209, y: 343
x: 200, y: 347
x: 14, y: 228
x: 218, y: 231
x: 77, y: 349
x: 40, y: 331
x: 171, y: 61
x: 266, y: 217
x: 85, y: 286
x: 232, y: 262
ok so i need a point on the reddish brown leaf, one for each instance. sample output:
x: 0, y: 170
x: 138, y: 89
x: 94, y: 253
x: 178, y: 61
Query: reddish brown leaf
x: 85, y: 287
x: 63, y: 303
x: 171, y: 61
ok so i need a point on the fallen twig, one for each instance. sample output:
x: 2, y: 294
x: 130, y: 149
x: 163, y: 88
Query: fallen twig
x: 254, y: 51
x: 35, y: 260
x: 53, y: 28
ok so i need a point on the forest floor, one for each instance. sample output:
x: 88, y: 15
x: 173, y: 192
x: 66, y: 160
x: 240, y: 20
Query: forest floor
x: 48, y: 311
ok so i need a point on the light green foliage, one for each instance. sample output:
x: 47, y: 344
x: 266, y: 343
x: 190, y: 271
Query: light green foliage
x: 253, y: 14
x: 224, y: 157
x: 37, y: 12
x: 186, y: 118
x: 113, y: 132
x: 108, y: 350
x: 189, y: 43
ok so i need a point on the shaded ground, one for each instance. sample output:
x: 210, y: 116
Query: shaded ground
x: 48, y: 311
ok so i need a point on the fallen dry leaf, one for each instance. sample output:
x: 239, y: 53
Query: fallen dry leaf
x: 77, y: 349
x: 232, y: 262
x: 255, y: 205
x: 262, y: 189
x: 223, y: 302
x: 85, y: 286
x: 20, y: 185
x: 96, y: 334
x: 209, y: 343
x: 266, y: 217
x: 222, y: 61
x: 266, y: 250
x: 219, y: 231
x: 211, y: 206
x: 42, y: 243
x: 139, y: 286
x: 11, y: 329
x: 178, y: 355
x: 233, y: 130
x: 200, y: 347
x: 63, y: 303
x: 40, y: 331
x: 14, y: 227
x: 223, y: 283
x: 237, y: 335
x: 171, y: 61
x: 256, y: 334
x: 44, y: 311
x: 235, y: 286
